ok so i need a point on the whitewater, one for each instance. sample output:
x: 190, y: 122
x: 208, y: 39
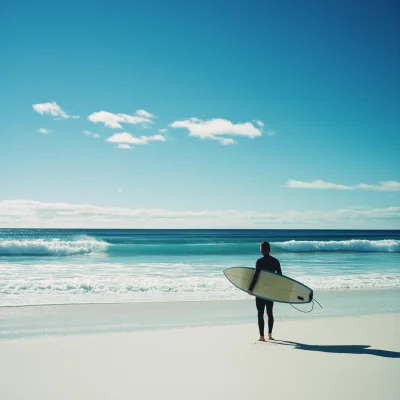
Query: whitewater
x: 62, y: 266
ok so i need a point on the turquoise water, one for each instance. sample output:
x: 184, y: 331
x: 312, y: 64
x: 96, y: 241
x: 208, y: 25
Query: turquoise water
x: 63, y: 266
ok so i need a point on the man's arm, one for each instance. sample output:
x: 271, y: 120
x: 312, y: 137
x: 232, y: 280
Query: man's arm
x: 255, y: 277
x: 278, y: 268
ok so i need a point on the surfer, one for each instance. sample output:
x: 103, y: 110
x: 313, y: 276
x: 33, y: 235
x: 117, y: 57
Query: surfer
x: 271, y: 264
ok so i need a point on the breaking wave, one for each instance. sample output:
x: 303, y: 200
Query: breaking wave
x: 86, y: 245
x: 355, y: 245
x: 52, y: 247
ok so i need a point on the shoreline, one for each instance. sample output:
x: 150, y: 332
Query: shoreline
x: 73, y: 319
x: 157, y: 301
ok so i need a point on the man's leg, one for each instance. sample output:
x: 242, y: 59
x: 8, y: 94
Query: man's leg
x: 270, y: 305
x: 260, y: 303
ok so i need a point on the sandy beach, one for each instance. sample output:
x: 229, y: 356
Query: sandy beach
x: 326, y: 358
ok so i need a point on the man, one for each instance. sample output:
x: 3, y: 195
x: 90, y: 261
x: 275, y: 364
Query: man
x: 271, y: 264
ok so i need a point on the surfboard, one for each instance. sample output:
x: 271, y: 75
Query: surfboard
x: 270, y: 286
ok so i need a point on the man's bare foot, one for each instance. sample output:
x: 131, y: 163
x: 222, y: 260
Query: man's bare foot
x: 270, y: 336
x: 262, y: 339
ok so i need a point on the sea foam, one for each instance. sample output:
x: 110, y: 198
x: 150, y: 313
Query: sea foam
x: 52, y: 247
x: 355, y: 245
x: 57, y: 289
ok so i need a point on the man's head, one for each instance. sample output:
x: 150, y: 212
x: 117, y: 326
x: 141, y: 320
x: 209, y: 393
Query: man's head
x: 265, y: 248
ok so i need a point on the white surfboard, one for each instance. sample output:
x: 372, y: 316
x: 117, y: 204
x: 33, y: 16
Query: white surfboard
x: 270, y: 286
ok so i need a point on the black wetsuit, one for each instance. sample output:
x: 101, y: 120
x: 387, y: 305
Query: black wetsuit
x: 271, y: 264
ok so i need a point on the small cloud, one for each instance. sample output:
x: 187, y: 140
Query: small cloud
x: 259, y: 123
x: 271, y: 133
x: 43, y: 130
x: 91, y: 134
x: 155, y: 138
x: 50, y: 108
x: 127, y: 138
x: 144, y: 113
x: 124, y: 146
x: 75, y: 117
x: 111, y: 120
x: 389, y: 186
x: 317, y: 184
x: 217, y: 127
x: 227, y: 142
x: 163, y: 130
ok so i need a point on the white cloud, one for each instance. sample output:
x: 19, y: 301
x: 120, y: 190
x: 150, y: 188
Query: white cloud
x: 127, y: 138
x: 50, y: 108
x: 217, y: 127
x: 115, y: 120
x: 163, y: 130
x: 259, y: 123
x: 124, y: 146
x: 271, y: 133
x: 156, y: 138
x: 75, y: 117
x: 389, y: 186
x: 43, y: 130
x: 317, y: 184
x: 227, y: 142
x: 29, y: 213
x: 144, y: 113
x: 91, y: 134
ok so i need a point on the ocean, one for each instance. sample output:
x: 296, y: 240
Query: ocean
x: 69, y: 266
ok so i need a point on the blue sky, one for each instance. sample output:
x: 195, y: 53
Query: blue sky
x: 278, y: 114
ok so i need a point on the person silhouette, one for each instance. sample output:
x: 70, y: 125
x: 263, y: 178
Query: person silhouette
x: 271, y: 264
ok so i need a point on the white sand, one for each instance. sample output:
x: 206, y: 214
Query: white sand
x: 211, y: 362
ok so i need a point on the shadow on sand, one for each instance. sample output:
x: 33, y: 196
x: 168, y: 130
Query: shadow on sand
x: 340, y: 349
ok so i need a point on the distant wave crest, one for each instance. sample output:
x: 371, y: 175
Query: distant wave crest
x: 354, y: 245
x: 53, y: 247
x: 86, y: 245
